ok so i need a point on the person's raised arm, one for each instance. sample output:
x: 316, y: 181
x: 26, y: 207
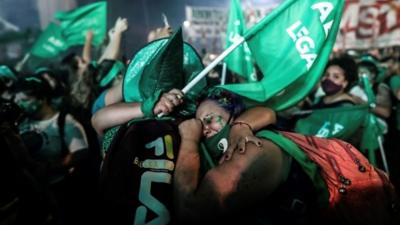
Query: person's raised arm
x: 115, y: 36
x: 87, y: 47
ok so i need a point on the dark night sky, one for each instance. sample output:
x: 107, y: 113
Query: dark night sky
x: 142, y: 15
x: 145, y: 15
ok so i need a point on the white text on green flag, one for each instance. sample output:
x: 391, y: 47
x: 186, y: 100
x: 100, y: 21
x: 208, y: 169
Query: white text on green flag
x: 50, y: 42
x: 239, y: 61
x: 76, y: 23
x: 291, y: 46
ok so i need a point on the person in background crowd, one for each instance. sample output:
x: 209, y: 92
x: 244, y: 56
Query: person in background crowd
x: 368, y: 65
x: 8, y: 78
x: 83, y: 73
x: 111, y: 85
x: 57, y: 84
x: 52, y: 138
x: 394, y: 131
x: 24, y: 195
x: 332, y: 92
x: 340, y: 74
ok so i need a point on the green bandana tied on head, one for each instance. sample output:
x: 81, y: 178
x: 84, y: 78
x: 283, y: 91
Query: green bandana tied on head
x: 116, y: 69
x: 7, y: 73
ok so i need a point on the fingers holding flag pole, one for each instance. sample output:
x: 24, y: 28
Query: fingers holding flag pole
x: 211, y: 66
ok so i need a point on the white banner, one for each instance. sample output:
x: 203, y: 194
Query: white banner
x: 205, y: 27
x: 369, y: 24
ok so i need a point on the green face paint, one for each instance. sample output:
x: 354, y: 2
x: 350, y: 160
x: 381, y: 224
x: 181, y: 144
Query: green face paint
x: 213, y: 118
x: 30, y: 106
x: 220, y: 121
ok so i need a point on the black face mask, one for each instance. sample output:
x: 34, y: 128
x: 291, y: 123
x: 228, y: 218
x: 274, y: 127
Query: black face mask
x: 330, y: 88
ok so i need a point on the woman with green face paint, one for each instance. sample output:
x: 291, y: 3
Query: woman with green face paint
x: 32, y: 95
x: 239, y: 180
x: 271, y: 183
x: 62, y: 149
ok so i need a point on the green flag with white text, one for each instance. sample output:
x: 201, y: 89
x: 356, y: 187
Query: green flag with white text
x: 291, y: 46
x: 240, y: 60
x: 77, y: 22
x: 340, y: 122
x: 352, y: 123
x: 50, y: 43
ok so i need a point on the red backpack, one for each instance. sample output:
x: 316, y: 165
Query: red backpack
x: 358, y: 192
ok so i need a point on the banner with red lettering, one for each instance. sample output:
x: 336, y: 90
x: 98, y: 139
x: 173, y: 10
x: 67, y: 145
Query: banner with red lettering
x: 369, y: 24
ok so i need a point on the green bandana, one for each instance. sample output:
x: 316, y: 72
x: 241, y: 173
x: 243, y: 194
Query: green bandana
x: 30, y: 106
x: 6, y: 72
x: 116, y: 69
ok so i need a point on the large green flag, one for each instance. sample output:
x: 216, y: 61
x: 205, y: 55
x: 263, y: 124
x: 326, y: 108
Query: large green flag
x: 77, y: 22
x: 50, y: 42
x: 240, y: 60
x: 291, y: 46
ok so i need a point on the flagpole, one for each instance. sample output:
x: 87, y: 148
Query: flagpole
x: 211, y: 66
x: 223, y: 76
x: 372, y: 104
x: 214, y: 63
x: 21, y: 64
x: 383, y: 155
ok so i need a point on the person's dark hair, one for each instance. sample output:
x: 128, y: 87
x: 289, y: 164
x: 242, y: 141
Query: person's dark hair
x: 231, y: 102
x: 10, y: 112
x: 70, y: 61
x: 36, y: 87
x: 54, y: 78
x: 349, y: 66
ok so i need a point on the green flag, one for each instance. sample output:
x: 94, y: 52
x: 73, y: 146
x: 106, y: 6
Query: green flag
x: 341, y: 122
x: 77, y: 22
x: 344, y: 123
x: 291, y: 46
x: 165, y: 71
x: 240, y: 60
x: 373, y: 129
x: 50, y: 42
x: 368, y: 90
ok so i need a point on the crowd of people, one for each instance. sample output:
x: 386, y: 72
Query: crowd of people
x: 65, y: 159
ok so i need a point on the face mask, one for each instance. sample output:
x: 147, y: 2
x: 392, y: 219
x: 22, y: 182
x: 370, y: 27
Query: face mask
x: 330, y: 88
x: 30, y: 107
x: 218, y: 143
